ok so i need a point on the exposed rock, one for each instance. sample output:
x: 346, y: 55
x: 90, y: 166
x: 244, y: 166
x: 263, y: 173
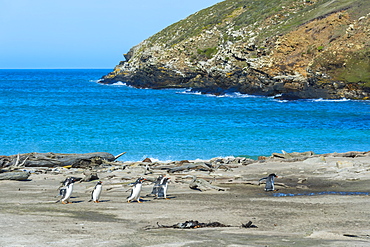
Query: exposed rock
x: 147, y: 160
x: 289, y: 50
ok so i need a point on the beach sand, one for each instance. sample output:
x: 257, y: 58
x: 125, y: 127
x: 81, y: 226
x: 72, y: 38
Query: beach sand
x: 30, y: 216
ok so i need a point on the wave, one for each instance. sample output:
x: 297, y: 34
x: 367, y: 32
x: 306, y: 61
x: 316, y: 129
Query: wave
x: 118, y: 83
x: 309, y: 100
x: 226, y: 95
x: 96, y: 81
x: 330, y: 100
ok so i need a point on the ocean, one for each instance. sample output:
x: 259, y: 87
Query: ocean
x: 67, y: 111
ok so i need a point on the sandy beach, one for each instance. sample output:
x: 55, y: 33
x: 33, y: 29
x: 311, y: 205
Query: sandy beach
x: 315, y: 205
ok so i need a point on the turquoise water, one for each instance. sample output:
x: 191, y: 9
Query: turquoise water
x: 67, y: 111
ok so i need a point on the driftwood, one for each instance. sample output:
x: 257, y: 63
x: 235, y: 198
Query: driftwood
x: 16, y: 175
x: 90, y: 176
x: 198, y: 166
x: 295, y: 155
x: 201, y: 184
x: 56, y: 159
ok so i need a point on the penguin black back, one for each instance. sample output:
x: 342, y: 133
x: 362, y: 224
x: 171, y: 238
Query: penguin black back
x: 157, y: 184
x: 270, y: 186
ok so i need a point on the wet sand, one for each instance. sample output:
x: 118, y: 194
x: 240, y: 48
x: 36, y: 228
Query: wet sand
x: 30, y: 216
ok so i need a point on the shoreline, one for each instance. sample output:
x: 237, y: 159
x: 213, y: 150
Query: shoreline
x: 30, y: 215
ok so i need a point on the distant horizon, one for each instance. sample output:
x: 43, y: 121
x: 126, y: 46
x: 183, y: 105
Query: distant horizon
x: 44, y: 34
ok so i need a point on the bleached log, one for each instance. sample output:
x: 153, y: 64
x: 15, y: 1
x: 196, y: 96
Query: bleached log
x: 196, y: 166
x: 119, y: 155
x: 56, y: 159
x: 16, y: 175
x: 202, y: 185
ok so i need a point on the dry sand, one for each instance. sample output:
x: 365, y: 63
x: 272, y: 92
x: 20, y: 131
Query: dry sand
x: 30, y: 216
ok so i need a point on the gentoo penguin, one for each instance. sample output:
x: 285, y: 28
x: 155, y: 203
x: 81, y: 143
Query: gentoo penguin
x: 157, y: 184
x: 95, y: 194
x: 135, y: 191
x: 63, y: 186
x: 66, y: 191
x: 269, y: 182
x: 162, y: 189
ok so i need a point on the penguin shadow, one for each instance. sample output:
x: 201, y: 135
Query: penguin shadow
x: 162, y: 198
x: 77, y: 202
x: 104, y: 201
x: 141, y: 201
x: 100, y: 201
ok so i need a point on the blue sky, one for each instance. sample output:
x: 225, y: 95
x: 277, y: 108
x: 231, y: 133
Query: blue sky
x: 82, y: 33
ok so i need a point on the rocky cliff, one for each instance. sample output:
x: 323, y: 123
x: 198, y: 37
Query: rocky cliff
x: 290, y: 49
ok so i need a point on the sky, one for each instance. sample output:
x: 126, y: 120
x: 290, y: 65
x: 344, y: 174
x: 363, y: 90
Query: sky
x: 88, y: 34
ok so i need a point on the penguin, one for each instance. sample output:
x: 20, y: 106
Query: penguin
x: 62, y: 187
x: 157, y: 184
x: 95, y: 194
x: 67, y: 190
x: 269, y: 182
x: 162, y: 189
x: 135, y: 191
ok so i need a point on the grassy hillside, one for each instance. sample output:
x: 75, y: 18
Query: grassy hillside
x: 281, y: 16
x: 305, y: 48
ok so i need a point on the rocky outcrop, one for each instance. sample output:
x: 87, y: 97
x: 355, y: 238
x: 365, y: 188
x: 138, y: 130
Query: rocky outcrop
x: 289, y: 50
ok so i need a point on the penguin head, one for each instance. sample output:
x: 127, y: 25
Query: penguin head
x: 140, y: 180
x: 99, y: 182
x: 273, y: 175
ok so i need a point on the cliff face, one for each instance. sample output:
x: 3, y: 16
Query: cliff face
x: 284, y: 48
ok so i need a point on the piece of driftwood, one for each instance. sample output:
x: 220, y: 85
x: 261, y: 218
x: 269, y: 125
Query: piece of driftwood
x: 294, y: 155
x: 57, y: 159
x: 90, y: 176
x: 15, y: 175
x: 190, y: 166
x: 202, y: 185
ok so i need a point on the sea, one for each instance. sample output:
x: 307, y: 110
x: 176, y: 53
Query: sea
x: 68, y: 111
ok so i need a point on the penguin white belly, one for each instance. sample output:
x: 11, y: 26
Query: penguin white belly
x: 165, y: 190
x: 96, y: 193
x: 68, y: 193
x: 135, y: 193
